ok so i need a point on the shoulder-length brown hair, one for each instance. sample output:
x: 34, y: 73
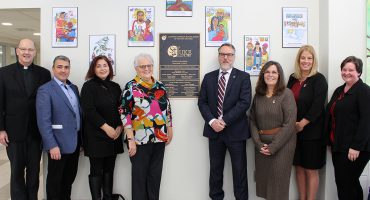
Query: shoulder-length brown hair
x: 91, y: 72
x: 297, y: 70
x: 261, y: 88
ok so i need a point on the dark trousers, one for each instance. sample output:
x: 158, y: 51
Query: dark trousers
x: 146, y: 175
x: 100, y: 166
x: 24, y: 157
x: 347, y: 174
x: 61, y: 175
x: 217, y: 152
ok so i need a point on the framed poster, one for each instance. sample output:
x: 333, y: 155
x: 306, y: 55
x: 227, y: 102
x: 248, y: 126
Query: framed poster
x: 65, y: 27
x: 179, y: 64
x: 103, y: 45
x: 256, y: 53
x: 140, y: 26
x: 295, y: 23
x: 179, y: 8
x: 218, y: 25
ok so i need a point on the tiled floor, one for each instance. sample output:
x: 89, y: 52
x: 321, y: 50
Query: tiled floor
x: 5, y: 176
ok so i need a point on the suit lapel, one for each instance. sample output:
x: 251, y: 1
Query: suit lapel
x: 75, y: 90
x: 61, y: 94
x: 214, y: 80
x: 232, y: 79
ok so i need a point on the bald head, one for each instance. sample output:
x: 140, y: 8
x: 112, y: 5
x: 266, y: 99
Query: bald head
x: 26, y: 41
x: 26, y: 52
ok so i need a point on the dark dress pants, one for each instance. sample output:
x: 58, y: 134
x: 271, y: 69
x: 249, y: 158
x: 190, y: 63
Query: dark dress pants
x: 146, y: 175
x: 61, y: 175
x: 24, y: 155
x: 347, y: 174
x: 217, y: 152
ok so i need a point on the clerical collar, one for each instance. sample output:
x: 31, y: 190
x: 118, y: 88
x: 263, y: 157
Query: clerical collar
x: 24, y: 67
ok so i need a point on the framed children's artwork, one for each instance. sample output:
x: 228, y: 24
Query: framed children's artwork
x: 103, y: 45
x: 65, y: 26
x: 218, y: 25
x: 256, y: 53
x: 140, y: 26
x: 179, y: 8
x: 295, y: 21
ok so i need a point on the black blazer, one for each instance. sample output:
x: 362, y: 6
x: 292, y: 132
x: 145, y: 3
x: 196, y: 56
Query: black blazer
x: 99, y: 102
x: 17, y: 109
x: 236, y: 103
x: 311, y: 105
x: 352, y: 118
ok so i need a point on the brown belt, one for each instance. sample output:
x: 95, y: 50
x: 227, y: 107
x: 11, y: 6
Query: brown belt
x: 269, y: 131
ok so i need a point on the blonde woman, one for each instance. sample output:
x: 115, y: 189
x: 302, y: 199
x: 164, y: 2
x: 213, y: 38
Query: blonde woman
x: 310, y: 90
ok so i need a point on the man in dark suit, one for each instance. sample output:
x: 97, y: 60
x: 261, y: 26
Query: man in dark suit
x: 18, y: 128
x: 224, y: 99
x: 59, y: 121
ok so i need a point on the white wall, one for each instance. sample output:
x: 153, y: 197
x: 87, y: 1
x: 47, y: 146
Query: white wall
x: 336, y: 29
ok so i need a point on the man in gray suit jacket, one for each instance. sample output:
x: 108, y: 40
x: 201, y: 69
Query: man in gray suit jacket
x: 59, y: 121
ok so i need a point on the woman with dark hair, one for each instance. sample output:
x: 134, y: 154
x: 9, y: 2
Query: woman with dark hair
x: 310, y: 91
x: 100, y: 99
x: 348, y: 129
x: 273, y: 117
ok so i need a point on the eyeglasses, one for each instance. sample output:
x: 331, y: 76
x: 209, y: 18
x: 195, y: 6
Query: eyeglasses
x: 145, y: 66
x: 226, y: 54
x: 25, y: 49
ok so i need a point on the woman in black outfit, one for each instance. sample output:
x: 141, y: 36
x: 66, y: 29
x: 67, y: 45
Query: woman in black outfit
x: 310, y: 90
x: 102, y: 138
x: 348, y: 129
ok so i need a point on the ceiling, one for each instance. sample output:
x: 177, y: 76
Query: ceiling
x: 26, y: 21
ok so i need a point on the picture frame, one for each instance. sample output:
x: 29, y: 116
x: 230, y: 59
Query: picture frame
x: 294, y: 27
x: 64, y: 27
x: 103, y: 45
x: 141, y: 26
x: 256, y: 53
x: 179, y: 8
x: 179, y: 64
x: 218, y: 21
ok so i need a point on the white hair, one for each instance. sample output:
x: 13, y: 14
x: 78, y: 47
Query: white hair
x: 143, y: 56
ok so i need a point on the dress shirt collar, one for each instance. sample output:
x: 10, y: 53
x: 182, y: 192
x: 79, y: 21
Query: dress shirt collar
x: 228, y: 71
x: 25, y: 67
x: 60, y: 83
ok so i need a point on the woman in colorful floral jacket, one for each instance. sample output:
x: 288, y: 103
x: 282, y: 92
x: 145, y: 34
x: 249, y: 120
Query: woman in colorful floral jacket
x: 146, y: 115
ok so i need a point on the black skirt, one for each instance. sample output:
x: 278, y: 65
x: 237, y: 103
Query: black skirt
x: 310, y: 154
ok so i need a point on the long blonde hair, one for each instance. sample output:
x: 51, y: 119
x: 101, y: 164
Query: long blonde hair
x: 297, y: 70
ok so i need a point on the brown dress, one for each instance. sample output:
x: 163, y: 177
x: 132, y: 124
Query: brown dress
x: 273, y: 172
